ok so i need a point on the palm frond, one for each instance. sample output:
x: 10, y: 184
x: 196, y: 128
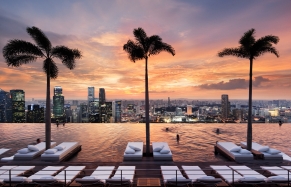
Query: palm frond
x: 140, y: 36
x: 135, y: 51
x: 40, y: 38
x: 68, y: 56
x: 18, y: 60
x: 248, y: 39
x: 159, y: 46
x: 18, y: 52
x: 263, y: 50
x: 50, y: 68
x: 238, y: 52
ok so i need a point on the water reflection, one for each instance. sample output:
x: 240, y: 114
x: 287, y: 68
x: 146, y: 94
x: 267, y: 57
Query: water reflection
x: 106, y: 142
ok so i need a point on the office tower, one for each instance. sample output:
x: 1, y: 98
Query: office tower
x: 91, y: 94
x: 83, y: 113
x: 169, y: 102
x: 102, y: 98
x: 189, y: 109
x: 106, y: 112
x: 94, y: 114
x: 68, y: 113
x: 225, y: 106
x: 35, y: 114
x: 116, y: 111
x: 178, y: 111
x: 58, y: 102
x: 18, y: 106
x: 5, y: 107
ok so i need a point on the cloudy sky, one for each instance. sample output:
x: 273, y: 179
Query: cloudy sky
x: 197, y: 30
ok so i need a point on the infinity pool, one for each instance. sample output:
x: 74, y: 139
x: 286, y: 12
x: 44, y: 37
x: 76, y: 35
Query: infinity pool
x: 106, y: 142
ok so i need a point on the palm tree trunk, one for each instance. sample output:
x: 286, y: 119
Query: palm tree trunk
x: 147, y: 110
x: 48, y: 113
x: 250, y: 117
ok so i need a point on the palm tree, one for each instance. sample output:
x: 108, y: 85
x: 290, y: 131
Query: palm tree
x: 251, y: 48
x: 19, y: 52
x: 143, y: 48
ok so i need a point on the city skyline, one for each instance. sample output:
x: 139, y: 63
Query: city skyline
x: 196, y: 30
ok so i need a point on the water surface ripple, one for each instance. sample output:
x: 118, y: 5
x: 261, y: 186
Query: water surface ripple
x: 106, y: 142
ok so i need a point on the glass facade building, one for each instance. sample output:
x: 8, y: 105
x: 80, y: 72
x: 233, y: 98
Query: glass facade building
x: 18, y: 106
x: 35, y: 114
x: 102, y: 98
x: 106, y: 112
x: 116, y: 111
x: 58, y: 103
x: 5, y: 107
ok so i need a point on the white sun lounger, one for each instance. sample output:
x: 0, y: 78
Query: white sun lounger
x: 32, y: 154
x: 45, y: 172
x: 59, y: 155
x: 196, y: 174
x: 3, y: 150
x: 123, y: 175
x: 99, y: 176
x: 65, y: 177
x: 172, y: 176
x: 281, y: 174
x: 227, y: 173
x: 3, y: 169
x: 249, y: 174
x: 226, y: 147
x: 137, y: 155
x: 13, y: 174
x: 158, y: 155
x: 267, y: 156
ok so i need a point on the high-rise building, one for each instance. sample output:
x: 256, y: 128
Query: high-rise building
x: 83, y: 113
x: 58, y: 103
x: 102, y: 98
x: 18, y: 106
x: 35, y: 114
x: 5, y: 107
x: 169, y: 102
x: 225, y: 107
x: 106, y: 112
x: 91, y: 94
x: 94, y: 113
x: 116, y: 111
x: 189, y: 109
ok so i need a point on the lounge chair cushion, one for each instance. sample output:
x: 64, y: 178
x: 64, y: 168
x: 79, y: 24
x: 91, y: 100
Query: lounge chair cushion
x: 23, y: 151
x: 88, y: 177
x: 235, y: 149
x: 207, y: 177
x: 47, y: 177
x: 158, y: 149
x: 264, y: 149
x: 51, y: 151
x: 164, y: 151
x: 273, y: 151
x: 128, y: 150
x: 60, y: 147
x: 32, y: 148
x: 134, y: 148
x: 244, y: 151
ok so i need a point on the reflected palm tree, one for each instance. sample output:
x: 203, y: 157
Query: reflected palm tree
x: 250, y: 48
x: 140, y: 49
x: 19, y: 52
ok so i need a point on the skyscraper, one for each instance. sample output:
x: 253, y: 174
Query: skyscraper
x: 18, y: 106
x: 225, y: 106
x: 102, y: 98
x: 91, y: 96
x: 58, y: 102
x: 116, y: 111
x: 35, y: 114
x: 5, y: 107
x: 106, y: 112
x: 94, y: 113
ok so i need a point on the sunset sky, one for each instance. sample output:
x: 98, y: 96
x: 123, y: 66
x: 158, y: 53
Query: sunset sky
x: 197, y: 30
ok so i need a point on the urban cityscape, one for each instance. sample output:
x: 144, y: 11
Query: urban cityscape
x: 15, y: 108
